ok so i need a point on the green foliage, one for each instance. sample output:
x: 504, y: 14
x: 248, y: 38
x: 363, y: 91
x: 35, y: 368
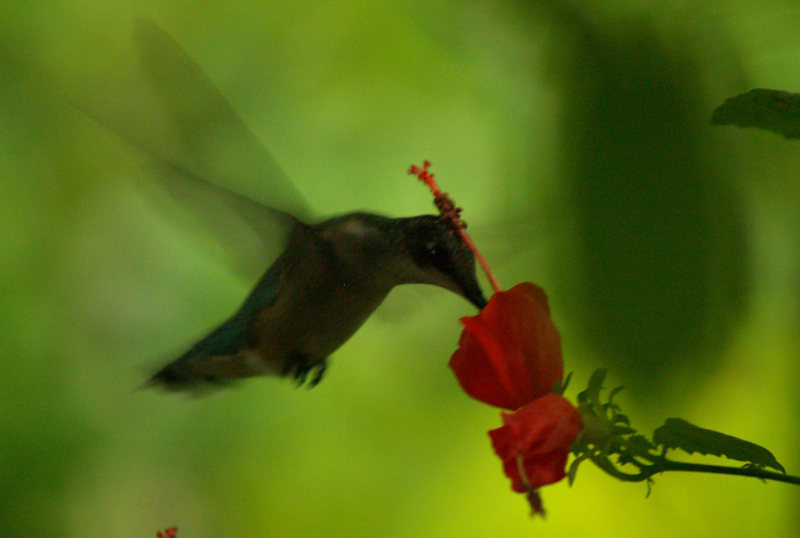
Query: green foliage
x: 773, y: 110
x: 677, y: 433
x: 607, y: 435
x: 661, y: 228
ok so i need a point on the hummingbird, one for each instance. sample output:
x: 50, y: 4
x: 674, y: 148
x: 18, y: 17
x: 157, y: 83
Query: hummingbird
x: 330, y: 276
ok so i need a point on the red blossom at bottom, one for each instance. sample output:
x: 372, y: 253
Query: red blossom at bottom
x: 171, y: 532
x: 534, y: 444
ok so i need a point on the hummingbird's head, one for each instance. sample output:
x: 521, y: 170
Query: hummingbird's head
x: 430, y: 252
x: 386, y: 252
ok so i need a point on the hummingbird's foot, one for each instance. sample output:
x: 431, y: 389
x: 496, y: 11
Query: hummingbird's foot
x: 299, y: 366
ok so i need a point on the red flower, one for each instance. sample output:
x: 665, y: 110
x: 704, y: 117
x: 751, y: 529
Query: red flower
x: 171, y: 532
x: 510, y: 353
x: 535, y: 441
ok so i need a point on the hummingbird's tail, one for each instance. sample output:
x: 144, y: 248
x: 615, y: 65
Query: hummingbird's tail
x: 228, y: 354
x: 195, y: 371
x: 216, y: 360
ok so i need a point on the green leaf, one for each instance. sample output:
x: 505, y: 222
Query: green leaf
x: 561, y: 386
x: 677, y: 433
x: 573, y: 470
x: 638, y: 446
x: 614, y: 392
x: 592, y: 393
x: 773, y: 110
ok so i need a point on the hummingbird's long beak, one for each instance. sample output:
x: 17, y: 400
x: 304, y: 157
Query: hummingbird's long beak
x: 466, y: 281
x: 474, y: 295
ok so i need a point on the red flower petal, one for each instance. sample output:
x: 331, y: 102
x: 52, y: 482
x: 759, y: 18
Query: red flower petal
x: 510, y: 353
x: 535, y: 441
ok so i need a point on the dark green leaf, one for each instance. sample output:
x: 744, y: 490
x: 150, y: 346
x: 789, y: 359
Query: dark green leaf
x: 677, y: 433
x: 773, y: 110
x: 573, y: 471
x: 621, y: 419
x: 562, y: 386
x: 592, y: 392
x: 614, y: 392
x: 639, y: 444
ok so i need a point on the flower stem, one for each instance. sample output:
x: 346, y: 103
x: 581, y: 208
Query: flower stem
x: 755, y: 472
x: 662, y: 465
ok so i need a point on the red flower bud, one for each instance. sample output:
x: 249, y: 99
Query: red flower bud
x: 535, y: 441
x: 510, y: 353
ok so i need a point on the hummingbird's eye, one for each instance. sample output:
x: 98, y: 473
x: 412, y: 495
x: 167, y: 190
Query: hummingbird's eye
x: 433, y: 250
x: 434, y: 254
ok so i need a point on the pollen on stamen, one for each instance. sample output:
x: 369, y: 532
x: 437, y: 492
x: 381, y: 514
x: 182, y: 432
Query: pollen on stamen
x: 450, y: 214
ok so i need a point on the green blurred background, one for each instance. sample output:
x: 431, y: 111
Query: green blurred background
x: 575, y: 134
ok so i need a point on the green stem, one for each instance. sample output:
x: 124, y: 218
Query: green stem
x: 605, y: 464
x: 755, y: 472
x: 662, y: 465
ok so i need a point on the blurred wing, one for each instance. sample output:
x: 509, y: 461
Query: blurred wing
x: 251, y: 233
x: 216, y: 144
x: 198, y: 143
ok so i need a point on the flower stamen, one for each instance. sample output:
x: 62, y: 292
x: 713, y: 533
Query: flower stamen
x: 450, y: 214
